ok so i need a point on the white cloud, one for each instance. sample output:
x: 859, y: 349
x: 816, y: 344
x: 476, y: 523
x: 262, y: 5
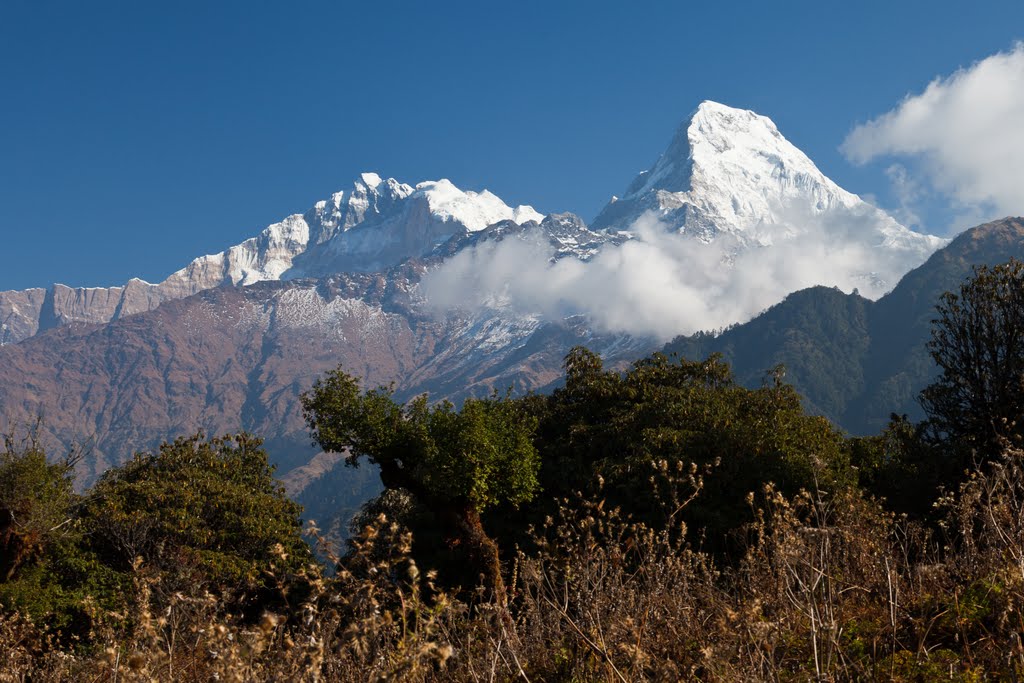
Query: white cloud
x: 662, y: 283
x: 908, y: 192
x: 966, y: 133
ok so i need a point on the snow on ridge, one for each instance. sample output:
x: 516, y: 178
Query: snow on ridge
x: 727, y: 173
x: 734, y: 163
x: 475, y: 210
x: 371, y: 179
x: 730, y: 171
x: 374, y: 224
x: 372, y: 201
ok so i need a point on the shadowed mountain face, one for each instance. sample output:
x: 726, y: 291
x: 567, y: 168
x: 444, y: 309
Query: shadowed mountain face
x: 855, y: 360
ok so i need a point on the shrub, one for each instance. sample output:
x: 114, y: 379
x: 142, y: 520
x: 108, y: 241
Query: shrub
x: 198, y: 510
x: 36, y: 501
x: 615, y: 425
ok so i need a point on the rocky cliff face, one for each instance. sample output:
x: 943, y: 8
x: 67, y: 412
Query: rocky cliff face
x: 19, y: 314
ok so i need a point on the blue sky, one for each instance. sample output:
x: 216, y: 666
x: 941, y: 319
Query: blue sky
x: 135, y: 136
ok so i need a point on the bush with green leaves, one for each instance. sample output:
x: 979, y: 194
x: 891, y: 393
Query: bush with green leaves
x: 47, y: 571
x: 36, y: 501
x: 198, y: 510
x: 613, y: 425
x: 977, y: 402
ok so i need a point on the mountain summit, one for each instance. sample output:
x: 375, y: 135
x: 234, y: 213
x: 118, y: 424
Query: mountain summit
x: 374, y: 225
x: 726, y: 170
x: 729, y: 173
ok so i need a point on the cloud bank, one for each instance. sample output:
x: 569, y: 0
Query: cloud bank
x: 966, y: 132
x: 662, y: 284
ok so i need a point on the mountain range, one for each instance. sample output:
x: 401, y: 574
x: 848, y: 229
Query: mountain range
x: 231, y: 340
x: 728, y: 177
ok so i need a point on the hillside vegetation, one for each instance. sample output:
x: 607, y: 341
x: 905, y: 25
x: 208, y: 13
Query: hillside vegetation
x: 853, y: 360
x: 661, y: 524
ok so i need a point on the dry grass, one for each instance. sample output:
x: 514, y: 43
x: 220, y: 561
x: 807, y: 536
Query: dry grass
x: 831, y: 588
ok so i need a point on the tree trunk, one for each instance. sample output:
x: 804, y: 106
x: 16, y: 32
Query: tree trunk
x: 464, y: 529
x: 480, y: 549
x: 14, y: 549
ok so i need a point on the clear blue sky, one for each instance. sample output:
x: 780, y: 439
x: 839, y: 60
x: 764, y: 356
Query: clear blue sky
x: 135, y: 136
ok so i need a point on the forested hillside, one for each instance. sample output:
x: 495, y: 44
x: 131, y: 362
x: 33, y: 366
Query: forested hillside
x: 855, y: 360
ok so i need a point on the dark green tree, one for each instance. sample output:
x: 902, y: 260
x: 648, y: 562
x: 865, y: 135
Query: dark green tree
x: 617, y: 426
x: 198, y: 510
x: 455, y: 463
x: 904, y: 467
x: 978, y: 344
x: 47, y: 570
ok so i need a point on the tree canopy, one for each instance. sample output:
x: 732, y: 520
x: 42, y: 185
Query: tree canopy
x: 614, y: 425
x: 978, y: 345
x: 47, y: 570
x: 456, y: 462
x: 36, y: 500
x: 209, y: 504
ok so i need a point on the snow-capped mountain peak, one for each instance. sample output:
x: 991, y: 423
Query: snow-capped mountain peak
x: 374, y: 224
x: 731, y: 169
x: 729, y: 174
x: 474, y: 210
x: 371, y: 180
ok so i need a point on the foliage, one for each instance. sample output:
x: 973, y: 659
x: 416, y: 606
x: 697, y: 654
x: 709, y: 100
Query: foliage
x: 904, y: 467
x: 202, y: 509
x: 613, y: 425
x: 69, y: 592
x: 456, y: 463
x: 978, y: 344
x: 481, y: 454
x: 48, y: 572
x: 36, y: 501
x: 829, y: 588
x: 625, y: 575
